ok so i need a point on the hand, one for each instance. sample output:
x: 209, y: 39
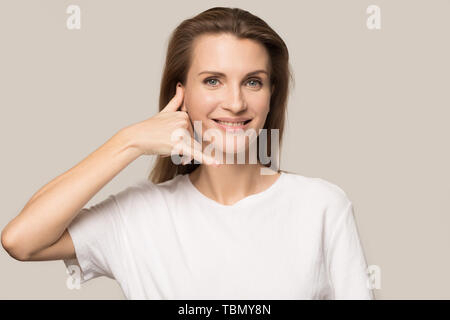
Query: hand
x: 154, y: 135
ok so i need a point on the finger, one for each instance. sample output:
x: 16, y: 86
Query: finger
x: 191, y: 130
x: 194, y: 143
x: 196, y: 152
x: 201, y: 154
x: 188, y: 137
x: 176, y: 101
x: 191, y: 136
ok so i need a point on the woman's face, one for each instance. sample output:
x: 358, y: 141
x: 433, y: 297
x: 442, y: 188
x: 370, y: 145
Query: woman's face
x: 234, y: 93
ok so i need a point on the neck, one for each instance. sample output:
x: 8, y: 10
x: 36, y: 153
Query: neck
x: 229, y: 183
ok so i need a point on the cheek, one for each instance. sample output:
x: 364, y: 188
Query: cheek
x: 261, y: 107
x: 200, y: 104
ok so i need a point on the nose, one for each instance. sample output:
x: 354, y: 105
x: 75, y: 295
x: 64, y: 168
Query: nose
x: 235, y: 101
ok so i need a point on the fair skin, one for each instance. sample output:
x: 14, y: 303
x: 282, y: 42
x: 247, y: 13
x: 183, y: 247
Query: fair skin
x: 39, y: 231
x: 233, y: 94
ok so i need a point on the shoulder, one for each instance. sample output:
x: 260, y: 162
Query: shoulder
x: 134, y: 191
x: 135, y: 194
x: 146, y: 190
x: 325, y: 193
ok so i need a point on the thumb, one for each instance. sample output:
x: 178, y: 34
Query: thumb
x: 176, y: 101
x: 183, y: 107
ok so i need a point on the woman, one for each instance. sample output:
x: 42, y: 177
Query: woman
x: 198, y: 230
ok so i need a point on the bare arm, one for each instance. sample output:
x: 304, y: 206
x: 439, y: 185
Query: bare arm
x: 44, y: 219
x: 39, y: 232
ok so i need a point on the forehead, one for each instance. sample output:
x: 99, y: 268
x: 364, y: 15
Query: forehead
x: 228, y: 54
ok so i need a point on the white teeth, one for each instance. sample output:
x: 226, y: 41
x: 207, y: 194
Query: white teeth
x: 231, y: 123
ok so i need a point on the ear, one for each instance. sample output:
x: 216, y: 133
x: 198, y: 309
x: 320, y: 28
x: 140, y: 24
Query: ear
x: 183, y: 106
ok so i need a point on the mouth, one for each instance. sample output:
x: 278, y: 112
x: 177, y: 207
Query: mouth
x: 232, y: 126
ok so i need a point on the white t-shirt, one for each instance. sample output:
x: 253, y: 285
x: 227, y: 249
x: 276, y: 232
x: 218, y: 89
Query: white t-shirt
x: 295, y: 240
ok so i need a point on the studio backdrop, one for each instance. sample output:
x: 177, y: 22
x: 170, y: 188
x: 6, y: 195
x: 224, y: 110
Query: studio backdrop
x: 368, y: 111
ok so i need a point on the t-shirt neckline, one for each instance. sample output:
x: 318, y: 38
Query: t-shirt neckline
x: 239, y: 203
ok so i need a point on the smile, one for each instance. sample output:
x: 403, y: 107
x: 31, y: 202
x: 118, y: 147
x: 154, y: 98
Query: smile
x: 232, y: 126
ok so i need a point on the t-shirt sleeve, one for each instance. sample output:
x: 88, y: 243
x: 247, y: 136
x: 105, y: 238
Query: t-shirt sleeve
x: 346, y: 262
x: 96, y: 235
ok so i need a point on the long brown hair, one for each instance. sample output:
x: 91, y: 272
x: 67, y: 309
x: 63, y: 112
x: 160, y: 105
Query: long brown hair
x: 243, y: 25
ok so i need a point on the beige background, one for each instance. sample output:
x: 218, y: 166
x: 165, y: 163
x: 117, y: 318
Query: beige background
x: 369, y: 112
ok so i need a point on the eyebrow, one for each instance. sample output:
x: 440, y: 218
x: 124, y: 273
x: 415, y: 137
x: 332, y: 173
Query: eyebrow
x: 223, y: 75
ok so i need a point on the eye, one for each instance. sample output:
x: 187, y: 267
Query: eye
x: 256, y: 82
x: 259, y: 82
x: 207, y: 81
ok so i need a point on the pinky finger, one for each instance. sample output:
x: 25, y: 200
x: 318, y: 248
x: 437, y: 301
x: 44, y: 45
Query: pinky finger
x: 198, y: 155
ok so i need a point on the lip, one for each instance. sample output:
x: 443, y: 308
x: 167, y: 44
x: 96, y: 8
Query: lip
x: 232, y: 128
x: 240, y: 119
